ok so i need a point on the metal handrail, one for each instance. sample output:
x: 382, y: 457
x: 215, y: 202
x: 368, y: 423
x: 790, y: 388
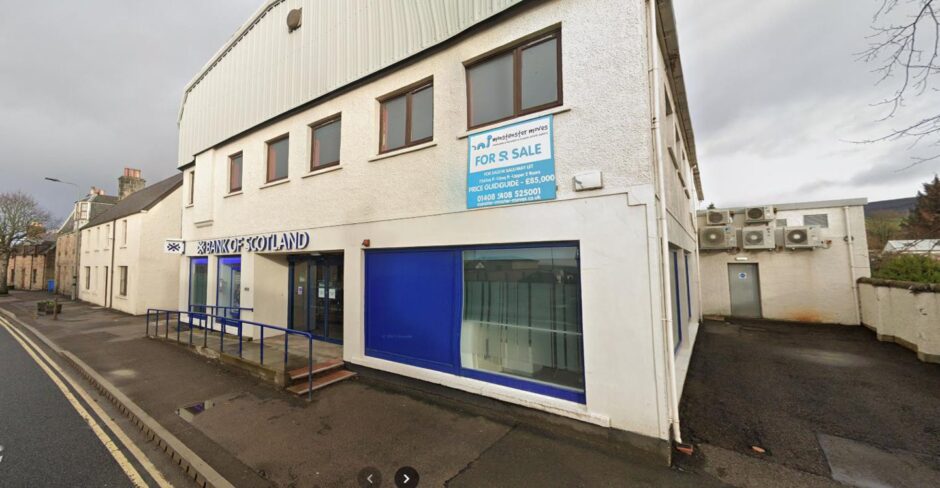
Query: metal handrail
x: 193, y: 317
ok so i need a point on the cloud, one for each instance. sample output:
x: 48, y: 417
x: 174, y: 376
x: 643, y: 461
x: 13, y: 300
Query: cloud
x: 95, y: 86
x: 780, y: 103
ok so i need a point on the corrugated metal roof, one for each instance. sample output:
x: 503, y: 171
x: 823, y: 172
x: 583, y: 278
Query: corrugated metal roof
x: 264, y: 70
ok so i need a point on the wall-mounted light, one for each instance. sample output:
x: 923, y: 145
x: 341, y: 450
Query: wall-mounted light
x: 294, y: 19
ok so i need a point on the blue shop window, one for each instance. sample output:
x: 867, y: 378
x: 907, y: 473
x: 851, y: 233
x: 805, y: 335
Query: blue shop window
x: 198, y: 283
x: 228, y: 288
x: 509, y: 315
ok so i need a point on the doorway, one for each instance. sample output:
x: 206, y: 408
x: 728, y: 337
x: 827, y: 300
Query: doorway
x: 316, y: 303
x: 744, y: 284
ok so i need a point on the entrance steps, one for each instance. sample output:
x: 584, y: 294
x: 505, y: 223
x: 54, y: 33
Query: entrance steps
x: 324, y: 373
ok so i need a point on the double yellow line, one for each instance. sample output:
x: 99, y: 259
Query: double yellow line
x: 51, y: 369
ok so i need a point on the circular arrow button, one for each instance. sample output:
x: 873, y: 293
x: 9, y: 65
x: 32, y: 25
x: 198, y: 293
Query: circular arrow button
x: 406, y: 477
x: 369, y: 477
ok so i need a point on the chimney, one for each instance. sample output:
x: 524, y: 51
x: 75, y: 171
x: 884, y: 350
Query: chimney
x: 95, y: 191
x: 130, y: 182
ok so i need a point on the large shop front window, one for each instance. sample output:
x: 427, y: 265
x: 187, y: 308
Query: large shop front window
x: 509, y: 315
x: 229, y: 286
x: 522, y: 314
x: 198, y: 283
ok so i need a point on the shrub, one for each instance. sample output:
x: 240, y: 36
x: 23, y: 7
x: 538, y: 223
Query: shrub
x: 909, y: 267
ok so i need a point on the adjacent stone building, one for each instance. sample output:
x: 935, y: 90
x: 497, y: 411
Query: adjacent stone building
x: 31, y: 266
x: 84, y: 210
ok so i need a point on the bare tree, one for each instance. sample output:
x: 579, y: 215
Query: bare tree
x: 907, y: 53
x: 22, y: 220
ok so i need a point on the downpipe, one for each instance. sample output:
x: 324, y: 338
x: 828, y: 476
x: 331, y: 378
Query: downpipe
x: 849, y: 242
x: 653, y: 55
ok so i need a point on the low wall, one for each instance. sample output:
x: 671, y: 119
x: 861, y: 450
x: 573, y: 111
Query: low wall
x: 903, y: 312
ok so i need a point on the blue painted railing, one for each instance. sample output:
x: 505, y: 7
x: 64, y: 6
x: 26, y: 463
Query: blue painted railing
x: 201, y: 320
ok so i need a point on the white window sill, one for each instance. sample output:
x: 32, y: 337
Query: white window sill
x: 320, y: 171
x: 232, y: 194
x: 404, y: 150
x: 189, y: 205
x: 275, y: 183
x: 203, y: 223
x: 522, y: 118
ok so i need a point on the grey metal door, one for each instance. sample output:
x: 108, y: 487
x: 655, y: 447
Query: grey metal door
x: 745, y: 290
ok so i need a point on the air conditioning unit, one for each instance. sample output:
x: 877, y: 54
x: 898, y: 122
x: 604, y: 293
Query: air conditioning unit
x: 758, y: 237
x: 758, y: 215
x: 717, y: 238
x: 718, y: 217
x: 803, y: 237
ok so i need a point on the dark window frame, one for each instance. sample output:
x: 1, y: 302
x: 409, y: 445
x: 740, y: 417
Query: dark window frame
x: 192, y: 187
x: 271, y: 164
x: 122, y: 271
x: 313, y: 134
x: 241, y: 171
x: 408, y: 92
x: 516, y: 49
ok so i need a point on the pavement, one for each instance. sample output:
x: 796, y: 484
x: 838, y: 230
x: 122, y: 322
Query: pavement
x: 256, y: 434
x: 826, y: 405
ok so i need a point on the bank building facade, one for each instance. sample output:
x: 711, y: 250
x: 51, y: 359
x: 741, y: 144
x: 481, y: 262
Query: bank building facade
x: 495, y: 196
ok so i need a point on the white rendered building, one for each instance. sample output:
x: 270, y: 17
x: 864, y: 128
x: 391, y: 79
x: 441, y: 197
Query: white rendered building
x: 496, y: 196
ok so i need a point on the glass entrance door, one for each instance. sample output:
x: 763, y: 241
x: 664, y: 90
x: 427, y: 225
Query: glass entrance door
x: 317, y: 296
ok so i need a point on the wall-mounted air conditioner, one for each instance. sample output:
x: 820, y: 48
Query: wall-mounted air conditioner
x: 758, y: 237
x: 758, y: 215
x: 718, y: 217
x: 717, y: 238
x: 802, y: 237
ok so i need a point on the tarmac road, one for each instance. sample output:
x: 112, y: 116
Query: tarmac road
x: 45, y: 441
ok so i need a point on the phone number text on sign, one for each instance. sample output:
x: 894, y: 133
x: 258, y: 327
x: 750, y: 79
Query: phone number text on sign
x: 511, y: 164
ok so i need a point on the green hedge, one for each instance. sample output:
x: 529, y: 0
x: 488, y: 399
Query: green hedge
x: 909, y: 267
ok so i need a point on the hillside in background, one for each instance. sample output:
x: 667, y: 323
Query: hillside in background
x: 898, y: 207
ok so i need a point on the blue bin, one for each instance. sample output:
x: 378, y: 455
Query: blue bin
x: 50, y: 285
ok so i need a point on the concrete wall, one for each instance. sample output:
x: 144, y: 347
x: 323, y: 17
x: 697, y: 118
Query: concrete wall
x: 905, y: 313
x: 798, y: 285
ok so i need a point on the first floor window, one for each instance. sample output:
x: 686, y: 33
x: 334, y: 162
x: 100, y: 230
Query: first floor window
x: 87, y: 277
x: 407, y: 117
x: 192, y: 187
x: 235, y: 173
x: 123, y: 277
x: 522, y: 314
x: 522, y: 79
x: 277, y: 158
x: 325, y: 145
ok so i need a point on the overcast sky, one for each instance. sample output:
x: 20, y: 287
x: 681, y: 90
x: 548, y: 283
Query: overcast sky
x: 778, y: 99
x: 87, y: 88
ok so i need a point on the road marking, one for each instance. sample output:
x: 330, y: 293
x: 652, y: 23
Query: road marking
x: 122, y: 461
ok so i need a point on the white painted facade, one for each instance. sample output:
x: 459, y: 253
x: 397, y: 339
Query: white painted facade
x: 136, y: 242
x: 416, y: 198
x: 799, y: 285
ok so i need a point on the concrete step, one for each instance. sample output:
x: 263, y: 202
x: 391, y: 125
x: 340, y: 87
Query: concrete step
x: 321, y: 380
x: 320, y: 367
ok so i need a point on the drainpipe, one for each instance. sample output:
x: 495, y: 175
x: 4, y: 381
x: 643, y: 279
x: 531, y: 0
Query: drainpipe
x: 672, y: 392
x: 109, y: 300
x: 849, y: 240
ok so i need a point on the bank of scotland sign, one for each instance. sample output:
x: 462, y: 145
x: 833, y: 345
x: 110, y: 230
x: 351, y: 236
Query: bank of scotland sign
x: 511, y: 164
x: 174, y: 246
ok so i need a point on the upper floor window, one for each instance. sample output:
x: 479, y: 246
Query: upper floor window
x: 407, y: 117
x: 124, y: 232
x: 192, y: 187
x: 523, y: 79
x: 277, y: 158
x: 324, y: 149
x: 235, y: 173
